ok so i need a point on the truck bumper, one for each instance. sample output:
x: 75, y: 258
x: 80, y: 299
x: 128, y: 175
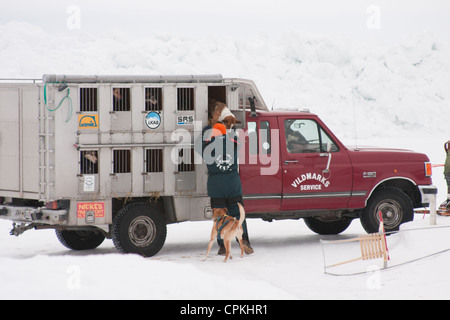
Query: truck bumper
x: 428, y: 194
x: 33, y: 215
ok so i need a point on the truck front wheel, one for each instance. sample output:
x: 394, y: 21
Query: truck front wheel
x: 395, y: 206
x: 139, y: 228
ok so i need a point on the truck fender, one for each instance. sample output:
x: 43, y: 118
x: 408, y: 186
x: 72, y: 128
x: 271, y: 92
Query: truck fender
x: 386, y: 183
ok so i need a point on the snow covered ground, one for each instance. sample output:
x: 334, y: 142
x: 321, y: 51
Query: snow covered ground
x: 288, y: 263
x: 394, y: 95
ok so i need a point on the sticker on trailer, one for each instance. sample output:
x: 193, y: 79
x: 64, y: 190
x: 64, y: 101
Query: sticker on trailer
x: 90, y: 209
x: 153, y: 120
x: 88, y: 121
x: 185, y: 120
x: 89, y: 183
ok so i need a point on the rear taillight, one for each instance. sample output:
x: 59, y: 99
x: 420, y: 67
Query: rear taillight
x: 428, y: 169
x: 52, y: 205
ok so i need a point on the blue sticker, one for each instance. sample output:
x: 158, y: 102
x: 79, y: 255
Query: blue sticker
x: 153, y: 120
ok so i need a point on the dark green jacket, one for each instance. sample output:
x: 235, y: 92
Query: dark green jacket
x: 221, y: 157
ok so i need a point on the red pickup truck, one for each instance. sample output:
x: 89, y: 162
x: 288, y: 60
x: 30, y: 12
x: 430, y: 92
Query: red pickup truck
x: 96, y: 156
x: 293, y: 166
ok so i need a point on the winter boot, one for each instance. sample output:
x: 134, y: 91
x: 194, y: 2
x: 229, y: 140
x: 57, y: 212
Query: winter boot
x: 444, y: 208
x: 247, y: 247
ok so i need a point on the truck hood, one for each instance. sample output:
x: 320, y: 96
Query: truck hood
x: 371, y: 154
x: 376, y: 149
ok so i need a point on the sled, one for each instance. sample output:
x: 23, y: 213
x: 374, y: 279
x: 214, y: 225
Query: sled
x: 373, y: 246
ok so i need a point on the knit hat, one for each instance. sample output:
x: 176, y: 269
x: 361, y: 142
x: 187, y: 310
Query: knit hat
x: 218, y: 130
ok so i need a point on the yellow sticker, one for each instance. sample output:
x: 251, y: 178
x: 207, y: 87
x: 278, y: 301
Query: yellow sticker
x: 88, y: 121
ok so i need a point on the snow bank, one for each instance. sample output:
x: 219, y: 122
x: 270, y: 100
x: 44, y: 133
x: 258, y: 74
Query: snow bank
x: 388, y: 89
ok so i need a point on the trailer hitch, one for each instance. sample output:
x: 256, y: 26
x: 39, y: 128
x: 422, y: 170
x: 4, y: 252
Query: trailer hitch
x: 18, y: 229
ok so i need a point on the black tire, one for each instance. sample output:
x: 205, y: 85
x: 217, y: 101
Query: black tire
x: 139, y: 228
x: 80, y: 239
x: 327, y: 227
x: 395, y: 205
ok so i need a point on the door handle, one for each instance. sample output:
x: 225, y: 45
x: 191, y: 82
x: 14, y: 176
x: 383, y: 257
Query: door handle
x: 286, y: 162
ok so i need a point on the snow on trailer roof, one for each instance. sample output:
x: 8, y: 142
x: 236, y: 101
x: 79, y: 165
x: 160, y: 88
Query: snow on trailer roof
x: 62, y: 78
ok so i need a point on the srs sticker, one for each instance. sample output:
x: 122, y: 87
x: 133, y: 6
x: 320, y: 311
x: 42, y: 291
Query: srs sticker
x: 185, y: 119
x: 88, y: 121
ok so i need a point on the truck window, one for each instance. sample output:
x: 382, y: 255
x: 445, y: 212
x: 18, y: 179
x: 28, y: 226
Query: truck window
x: 88, y: 100
x: 153, y: 160
x: 185, y: 99
x: 306, y: 136
x: 252, y: 138
x: 121, y: 161
x: 186, y: 160
x: 89, y: 162
x: 121, y: 99
x: 265, y: 137
x: 153, y: 99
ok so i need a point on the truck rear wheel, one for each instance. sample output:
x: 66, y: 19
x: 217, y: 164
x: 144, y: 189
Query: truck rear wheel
x: 80, y: 239
x: 139, y: 228
x: 395, y: 206
x: 327, y: 227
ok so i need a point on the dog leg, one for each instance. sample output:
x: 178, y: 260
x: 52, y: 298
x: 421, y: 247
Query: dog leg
x: 242, y: 247
x: 211, y: 242
x: 239, y: 237
x: 227, y: 244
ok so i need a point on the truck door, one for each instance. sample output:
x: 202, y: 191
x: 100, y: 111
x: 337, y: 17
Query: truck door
x: 308, y: 182
x: 259, y: 166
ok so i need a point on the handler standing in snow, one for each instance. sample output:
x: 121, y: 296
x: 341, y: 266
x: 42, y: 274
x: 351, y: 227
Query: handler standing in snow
x: 220, y: 153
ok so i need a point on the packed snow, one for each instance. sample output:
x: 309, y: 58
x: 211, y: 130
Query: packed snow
x: 368, y: 93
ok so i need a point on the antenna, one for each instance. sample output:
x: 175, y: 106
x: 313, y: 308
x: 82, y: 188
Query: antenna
x: 354, y: 120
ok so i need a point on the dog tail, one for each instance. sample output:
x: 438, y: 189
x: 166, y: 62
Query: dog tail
x: 242, y: 214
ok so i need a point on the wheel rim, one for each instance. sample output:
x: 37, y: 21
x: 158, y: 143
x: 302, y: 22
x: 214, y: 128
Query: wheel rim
x: 392, y: 213
x: 85, y: 234
x: 142, y: 231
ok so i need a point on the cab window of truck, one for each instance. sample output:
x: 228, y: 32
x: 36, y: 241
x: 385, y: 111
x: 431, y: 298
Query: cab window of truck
x: 306, y: 136
x: 252, y: 137
x: 264, y: 133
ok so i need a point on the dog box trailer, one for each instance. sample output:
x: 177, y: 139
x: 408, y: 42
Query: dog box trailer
x: 97, y: 157
x: 100, y: 156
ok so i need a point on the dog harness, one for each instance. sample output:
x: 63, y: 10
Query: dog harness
x: 224, y: 223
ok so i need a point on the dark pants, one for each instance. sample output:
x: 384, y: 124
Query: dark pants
x: 447, y: 177
x: 233, y: 210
